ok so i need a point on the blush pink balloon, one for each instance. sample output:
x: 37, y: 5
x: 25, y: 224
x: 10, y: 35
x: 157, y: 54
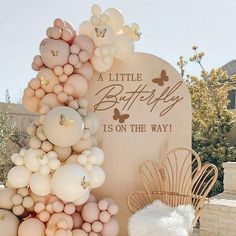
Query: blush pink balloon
x: 93, y: 234
x: 31, y: 227
x: 59, y: 23
x: 69, y: 208
x: 113, y: 209
x: 29, y: 92
x: 62, y: 97
x: 34, y: 83
x: 77, y: 220
x: 111, y: 228
x: 85, y: 70
x: 83, y: 56
x: 85, y: 43
x: 39, y: 93
x: 91, y: 198
x: 67, y: 35
x: 69, y: 26
x: 79, y: 84
x: 97, y: 226
x: 104, y: 217
x: 54, y: 52
x: 103, y: 205
x: 90, y: 212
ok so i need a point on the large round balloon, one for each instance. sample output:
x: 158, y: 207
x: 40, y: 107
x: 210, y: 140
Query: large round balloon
x: 70, y: 182
x: 8, y: 223
x: 54, y: 52
x: 5, y: 198
x: 116, y: 19
x: 31, y: 227
x: 63, y: 126
x: 40, y: 184
x: 32, y: 157
x: 18, y: 177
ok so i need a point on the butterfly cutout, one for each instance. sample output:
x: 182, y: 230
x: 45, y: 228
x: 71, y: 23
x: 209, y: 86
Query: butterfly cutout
x: 100, y: 33
x: 65, y: 122
x: 44, y: 81
x: 54, y: 53
x: 117, y: 116
x: 85, y: 184
x: 160, y: 81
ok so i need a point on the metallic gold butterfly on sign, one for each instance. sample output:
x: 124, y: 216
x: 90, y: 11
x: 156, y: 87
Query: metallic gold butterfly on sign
x: 120, y: 117
x: 162, y: 79
x: 100, y: 33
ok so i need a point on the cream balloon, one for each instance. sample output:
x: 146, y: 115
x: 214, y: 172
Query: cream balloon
x: 40, y: 184
x: 86, y: 28
x: 99, y: 65
x: 6, y: 195
x: 97, y: 177
x: 63, y: 126
x: 98, y: 152
x: 116, y: 19
x: 70, y: 182
x: 82, y: 200
x: 50, y: 100
x: 62, y: 152
x: 9, y: 223
x: 54, y: 52
x: 31, y: 226
x: 103, y: 35
x: 124, y: 47
x: 31, y: 159
x: 18, y: 177
x: 57, y: 217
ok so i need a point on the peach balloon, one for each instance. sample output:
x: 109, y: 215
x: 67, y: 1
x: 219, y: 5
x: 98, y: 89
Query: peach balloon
x: 58, y: 70
x: 59, y: 23
x: 58, y: 88
x: 77, y: 220
x: 6, y: 195
x: 103, y: 205
x: 62, y: 97
x: 79, y: 84
x: 104, y: 217
x: 66, y: 35
x: 58, y: 206
x: 85, y: 70
x: 62, y: 152
x: 31, y: 227
x: 68, y: 69
x: 31, y: 104
x: 70, y: 27
x: 34, y: 83
x: 50, y: 100
x: 48, y: 79
x: 97, y: 226
x: 68, y: 89
x: 44, y: 216
x: 85, y: 43
x: 54, y: 52
x: 87, y: 227
x: 90, y: 212
x: 38, y: 61
x: 39, y: 93
x: 86, y: 28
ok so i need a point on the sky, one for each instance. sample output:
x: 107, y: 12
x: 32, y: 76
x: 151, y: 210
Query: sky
x: 169, y: 29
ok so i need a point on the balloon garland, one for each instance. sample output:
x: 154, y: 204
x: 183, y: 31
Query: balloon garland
x: 48, y: 189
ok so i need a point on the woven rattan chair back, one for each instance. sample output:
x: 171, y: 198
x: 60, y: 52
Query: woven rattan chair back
x: 179, y: 178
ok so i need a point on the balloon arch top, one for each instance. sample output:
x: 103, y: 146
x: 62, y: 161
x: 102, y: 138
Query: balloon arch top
x: 48, y: 189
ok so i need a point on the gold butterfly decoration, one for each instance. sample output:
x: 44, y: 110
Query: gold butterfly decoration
x: 44, y: 81
x: 117, y: 116
x: 85, y: 184
x: 100, y: 33
x: 137, y: 33
x: 160, y: 81
x: 65, y: 122
x: 54, y: 53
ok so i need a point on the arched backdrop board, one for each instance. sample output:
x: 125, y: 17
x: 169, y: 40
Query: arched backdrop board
x: 145, y: 110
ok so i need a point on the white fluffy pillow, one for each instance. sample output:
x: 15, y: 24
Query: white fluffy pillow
x: 159, y: 219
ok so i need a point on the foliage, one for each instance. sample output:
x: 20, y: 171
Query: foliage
x: 211, y: 121
x: 7, y: 130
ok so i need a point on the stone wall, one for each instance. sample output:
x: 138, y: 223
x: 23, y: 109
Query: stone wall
x: 220, y: 217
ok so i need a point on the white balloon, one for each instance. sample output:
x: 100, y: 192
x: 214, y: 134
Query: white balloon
x: 6, y: 195
x: 97, y: 177
x: 116, y: 19
x: 32, y: 159
x: 70, y: 182
x: 18, y: 177
x: 86, y: 28
x: 99, y: 65
x: 103, y: 35
x: 9, y: 223
x: 40, y: 184
x: 124, y: 47
x: 98, y: 152
x: 82, y: 200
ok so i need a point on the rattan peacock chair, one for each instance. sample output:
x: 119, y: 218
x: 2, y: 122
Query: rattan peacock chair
x: 178, y: 179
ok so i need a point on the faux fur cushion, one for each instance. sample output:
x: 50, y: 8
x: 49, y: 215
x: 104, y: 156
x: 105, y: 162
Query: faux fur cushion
x: 159, y: 219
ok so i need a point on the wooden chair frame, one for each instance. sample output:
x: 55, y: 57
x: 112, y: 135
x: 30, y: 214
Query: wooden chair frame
x: 178, y: 179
